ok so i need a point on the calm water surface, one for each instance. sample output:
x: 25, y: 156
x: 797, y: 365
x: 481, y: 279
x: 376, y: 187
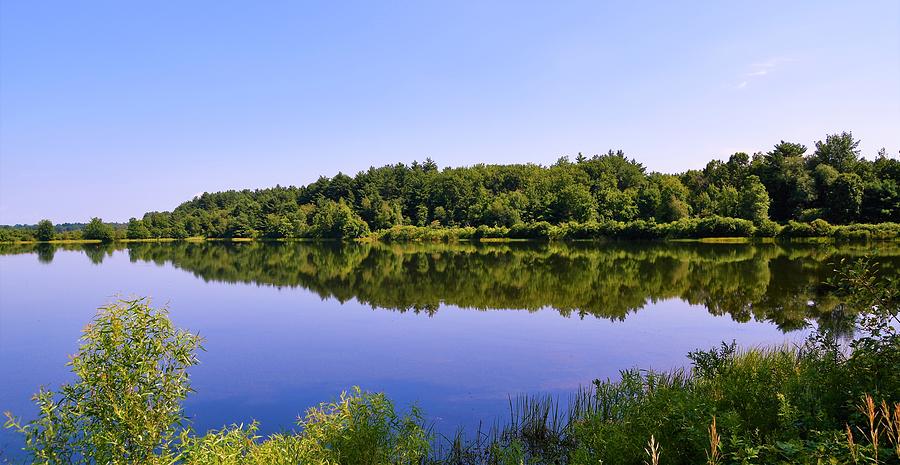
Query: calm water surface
x: 456, y: 328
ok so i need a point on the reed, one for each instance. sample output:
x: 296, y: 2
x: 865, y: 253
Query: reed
x: 868, y: 410
x: 851, y: 444
x: 653, y: 451
x: 890, y: 417
x: 713, y: 457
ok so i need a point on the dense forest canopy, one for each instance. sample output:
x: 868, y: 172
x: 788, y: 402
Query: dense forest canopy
x: 831, y: 182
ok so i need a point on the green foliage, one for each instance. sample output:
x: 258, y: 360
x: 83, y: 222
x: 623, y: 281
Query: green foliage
x: 845, y: 198
x: 784, y: 175
x: 16, y: 234
x: 125, y: 405
x: 875, y: 356
x: 840, y: 151
x: 767, y: 228
x: 360, y: 428
x: 99, y: 231
x: 817, y: 228
x: 363, y: 428
x: 336, y: 220
x: 538, y: 230
x: 44, y: 231
x: 754, y: 201
x: 136, y: 229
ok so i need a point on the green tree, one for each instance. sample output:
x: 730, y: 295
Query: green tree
x: 840, y: 151
x: 845, y: 198
x: 672, y: 199
x: 824, y: 177
x: 783, y: 173
x: 277, y: 226
x: 421, y: 215
x: 44, y: 231
x: 388, y: 214
x: 137, y: 229
x: 98, y: 230
x: 754, y: 203
x: 575, y: 203
x: 336, y: 220
x: 614, y: 204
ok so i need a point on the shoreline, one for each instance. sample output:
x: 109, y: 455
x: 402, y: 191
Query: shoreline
x: 491, y: 240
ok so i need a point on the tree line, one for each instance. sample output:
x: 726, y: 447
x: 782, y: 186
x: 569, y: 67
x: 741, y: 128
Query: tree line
x: 831, y: 183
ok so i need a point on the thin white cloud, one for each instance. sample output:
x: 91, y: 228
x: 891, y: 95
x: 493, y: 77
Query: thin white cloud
x: 758, y: 70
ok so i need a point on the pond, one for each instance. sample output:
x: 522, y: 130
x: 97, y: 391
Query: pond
x: 457, y: 328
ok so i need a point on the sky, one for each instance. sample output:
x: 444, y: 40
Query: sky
x: 113, y: 109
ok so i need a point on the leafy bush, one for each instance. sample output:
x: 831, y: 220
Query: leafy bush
x: 817, y: 228
x: 360, y: 428
x: 491, y: 232
x: 125, y: 405
x: 641, y: 229
x: 856, y: 232
x: 767, y: 228
x: 717, y: 226
x: 424, y: 233
x: 538, y: 230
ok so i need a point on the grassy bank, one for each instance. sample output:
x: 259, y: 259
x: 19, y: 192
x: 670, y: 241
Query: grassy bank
x: 824, y: 402
x: 707, y: 229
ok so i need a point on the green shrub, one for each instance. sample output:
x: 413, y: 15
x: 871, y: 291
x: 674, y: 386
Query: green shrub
x: 641, y: 229
x: 362, y: 428
x: 239, y: 445
x: 881, y: 231
x: 538, y: 230
x: 491, y: 232
x: 424, y: 233
x: 817, y: 228
x: 125, y: 404
x: 717, y: 226
x: 767, y: 228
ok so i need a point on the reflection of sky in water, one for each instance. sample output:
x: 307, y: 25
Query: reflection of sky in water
x: 271, y: 353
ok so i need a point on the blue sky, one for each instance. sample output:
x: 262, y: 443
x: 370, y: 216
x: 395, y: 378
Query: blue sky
x: 112, y: 109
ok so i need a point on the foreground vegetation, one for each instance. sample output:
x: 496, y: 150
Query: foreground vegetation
x: 606, y: 195
x: 822, y: 403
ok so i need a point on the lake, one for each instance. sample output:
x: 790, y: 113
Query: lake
x: 458, y: 328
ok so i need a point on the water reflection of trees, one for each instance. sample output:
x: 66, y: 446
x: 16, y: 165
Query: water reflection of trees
x: 765, y: 282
